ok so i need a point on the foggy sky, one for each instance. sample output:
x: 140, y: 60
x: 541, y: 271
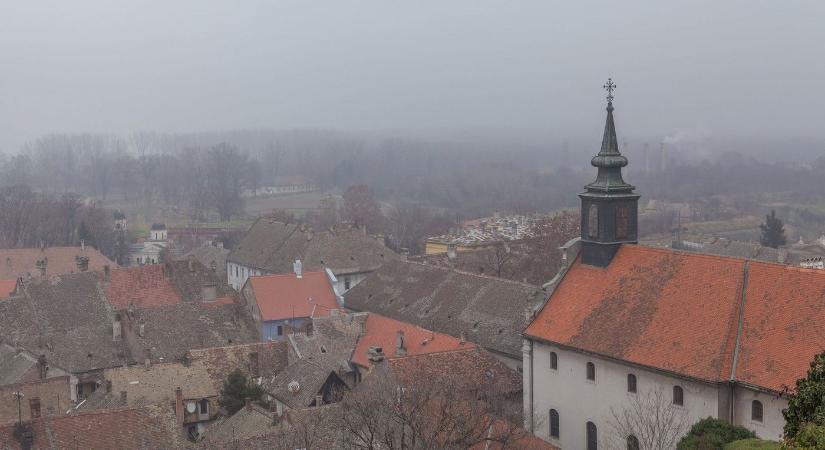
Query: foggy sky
x: 736, y: 68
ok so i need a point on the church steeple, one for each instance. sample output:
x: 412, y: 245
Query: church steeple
x: 609, y: 205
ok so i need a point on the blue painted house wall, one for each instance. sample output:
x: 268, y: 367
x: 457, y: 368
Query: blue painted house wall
x: 269, y: 329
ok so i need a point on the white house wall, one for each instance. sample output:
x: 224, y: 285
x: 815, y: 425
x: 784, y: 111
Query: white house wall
x: 579, y: 400
x: 772, y: 406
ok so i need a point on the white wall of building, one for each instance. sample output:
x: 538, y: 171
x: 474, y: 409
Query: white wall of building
x: 579, y: 400
x: 237, y: 274
x: 772, y: 420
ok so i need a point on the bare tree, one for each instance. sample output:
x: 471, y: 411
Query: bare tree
x: 651, y: 419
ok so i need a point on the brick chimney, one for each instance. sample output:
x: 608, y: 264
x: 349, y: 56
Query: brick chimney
x: 117, y: 328
x: 247, y: 403
x: 179, y: 406
x: 41, y: 265
x: 400, y: 347
x: 82, y: 263
x: 107, y: 273
x: 42, y: 367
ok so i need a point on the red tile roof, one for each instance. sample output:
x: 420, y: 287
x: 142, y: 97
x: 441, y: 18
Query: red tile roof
x: 784, y: 319
x: 21, y: 262
x: 680, y: 312
x: 665, y: 309
x: 7, y: 287
x: 382, y: 332
x: 144, y: 428
x: 285, y: 296
x: 142, y: 286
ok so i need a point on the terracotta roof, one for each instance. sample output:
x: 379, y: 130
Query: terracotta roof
x: 271, y: 358
x: 7, y: 288
x: 286, y: 296
x: 680, y: 312
x: 273, y: 247
x: 784, y: 319
x: 21, y: 262
x: 382, y: 332
x: 645, y: 307
x: 142, y: 286
x: 490, y: 311
x: 471, y: 369
x: 127, y: 429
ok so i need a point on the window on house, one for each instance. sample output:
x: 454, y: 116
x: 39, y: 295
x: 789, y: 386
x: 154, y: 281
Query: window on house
x: 236, y: 271
x: 554, y: 361
x: 631, y: 383
x: 678, y: 396
x: 554, y: 424
x: 591, y: 371
x: 204, y: 404
x: 633, y: 443
x: 756, y: 410
x: 592, y: 437
x: 34, y: 405
x: 280, y: 330
x: 347, y: 283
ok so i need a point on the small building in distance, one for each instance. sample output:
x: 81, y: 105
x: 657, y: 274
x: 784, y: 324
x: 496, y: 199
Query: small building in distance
x: 480, y: 233
x: 284, y: 303
x: 282, y: 185
x: 149, y: 251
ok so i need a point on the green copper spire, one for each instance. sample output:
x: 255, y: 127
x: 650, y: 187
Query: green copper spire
x: 609, y: 160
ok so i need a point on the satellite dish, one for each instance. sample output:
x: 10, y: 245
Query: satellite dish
x: 293, y: 386
x: 190, y: 407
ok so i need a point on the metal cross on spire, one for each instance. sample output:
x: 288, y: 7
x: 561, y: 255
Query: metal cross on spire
x: 610, y: 86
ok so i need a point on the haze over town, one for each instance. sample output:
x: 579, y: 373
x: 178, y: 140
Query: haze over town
x: 471, y: 224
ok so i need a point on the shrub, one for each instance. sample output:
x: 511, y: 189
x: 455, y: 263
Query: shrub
x: 753, y: 444
x: 713, y: 434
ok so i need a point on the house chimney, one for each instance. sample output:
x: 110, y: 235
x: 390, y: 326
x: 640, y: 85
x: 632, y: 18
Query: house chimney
x: 123, y: 398
x: 191, y: 263
x: 83, y: 245
x: 107, y: 275
x: 247, y: 403
x: 42, y: 367
x: 254, y: 364
x: 400, y: 348
x: 147, y: 358
x: 41, y: 265
x: 82, y: 263
x: 319, y: 400
x: 179, y: 406
x: 297, y: 268
x: 141, y: 329
x: 451, y: 251
x: 117, y: 329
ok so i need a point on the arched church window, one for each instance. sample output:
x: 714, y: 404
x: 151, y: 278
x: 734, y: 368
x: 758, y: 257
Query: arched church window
x: 593, y: 221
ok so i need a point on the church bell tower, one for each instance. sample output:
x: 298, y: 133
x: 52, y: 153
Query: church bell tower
x: 609, y: 209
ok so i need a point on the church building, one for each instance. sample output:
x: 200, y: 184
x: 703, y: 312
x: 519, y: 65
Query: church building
x: 688, y: 334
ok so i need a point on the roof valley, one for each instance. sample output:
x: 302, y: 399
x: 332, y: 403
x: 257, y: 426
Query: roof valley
x: 740, y: 321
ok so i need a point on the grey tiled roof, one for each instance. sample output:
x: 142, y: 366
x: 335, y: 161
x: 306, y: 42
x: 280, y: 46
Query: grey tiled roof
x: 491, y: 312
x: 67, y: 319
x: 274, y: 246
x: 309, y: 373
x: 170, y: 331
x: 333, y: 336
x: 208, y: 254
